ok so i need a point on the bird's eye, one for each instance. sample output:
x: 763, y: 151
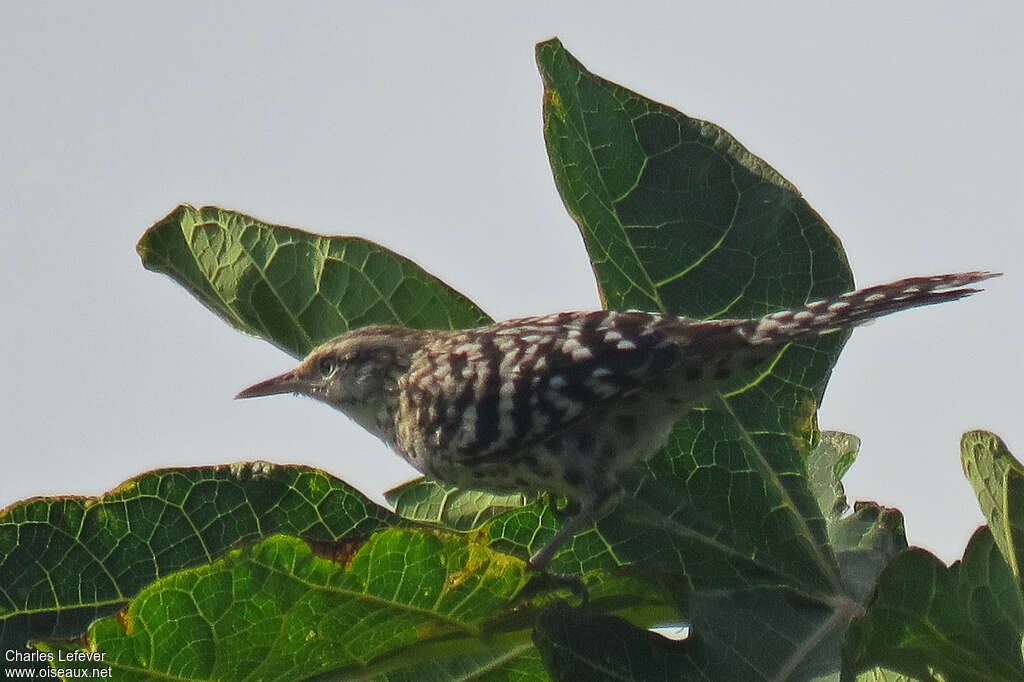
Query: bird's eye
x: 327, y: 366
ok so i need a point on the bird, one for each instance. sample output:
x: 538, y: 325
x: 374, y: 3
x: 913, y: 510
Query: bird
x: 562, y: 403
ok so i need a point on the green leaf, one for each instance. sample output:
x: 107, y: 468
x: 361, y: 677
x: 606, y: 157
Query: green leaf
x: 678, y: 216
x: 294, y: 288
x: 63, y: 561
x: 576, y: 645
x: 826, y: 466
x: 430, y: 501
x: 798, y: 640
x: 998, y: 481
x: 406, y: 601
x: 964, y: 622
x: 991, y: 595
x: 865, y: 542
x: 771, y: 634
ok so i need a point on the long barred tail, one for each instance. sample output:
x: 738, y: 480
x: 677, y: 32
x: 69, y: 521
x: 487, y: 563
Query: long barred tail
x: 857, y: 307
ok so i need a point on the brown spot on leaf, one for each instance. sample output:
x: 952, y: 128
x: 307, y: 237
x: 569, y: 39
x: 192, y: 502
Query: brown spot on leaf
x: 122, y: 618
x: 340, y: 552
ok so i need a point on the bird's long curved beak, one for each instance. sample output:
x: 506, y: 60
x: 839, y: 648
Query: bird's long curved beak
x: 283, y: 383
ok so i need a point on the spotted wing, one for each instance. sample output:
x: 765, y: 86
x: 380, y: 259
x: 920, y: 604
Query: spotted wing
x: 493, y: 390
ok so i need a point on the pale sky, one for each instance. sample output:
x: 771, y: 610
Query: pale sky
x: 418, y: 126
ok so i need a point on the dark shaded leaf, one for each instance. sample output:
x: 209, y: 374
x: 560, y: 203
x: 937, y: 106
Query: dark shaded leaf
x: 577, y: 645
x: 964, y: 622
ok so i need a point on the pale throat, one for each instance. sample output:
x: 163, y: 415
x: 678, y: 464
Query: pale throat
x: 376, y: 416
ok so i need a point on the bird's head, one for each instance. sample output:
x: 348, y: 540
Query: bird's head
x: 356, y: 372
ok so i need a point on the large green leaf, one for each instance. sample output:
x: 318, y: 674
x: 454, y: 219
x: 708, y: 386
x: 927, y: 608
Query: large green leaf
x: 678, y: 216
x: 63, y: 561
x: 964, y: 622
x: 407, y: 600
x: 295, y: 288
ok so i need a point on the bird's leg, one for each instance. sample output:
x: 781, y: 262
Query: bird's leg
x: 583, y: 512
x: 542, y: 557
x: 589, y: 509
